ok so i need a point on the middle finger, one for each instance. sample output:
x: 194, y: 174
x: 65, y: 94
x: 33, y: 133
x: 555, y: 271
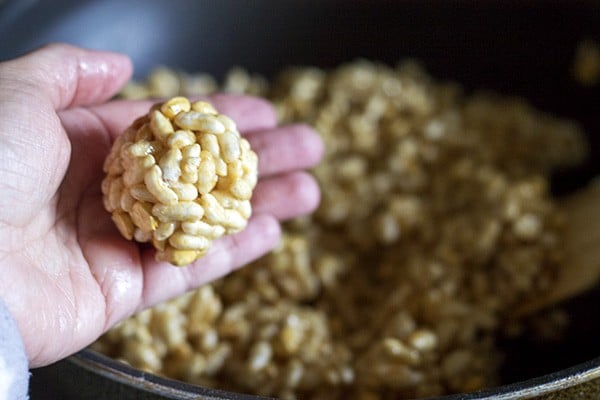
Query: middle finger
x: 286, y: 148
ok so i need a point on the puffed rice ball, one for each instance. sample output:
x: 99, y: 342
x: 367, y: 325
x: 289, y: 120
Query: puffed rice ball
x: 180, y: 177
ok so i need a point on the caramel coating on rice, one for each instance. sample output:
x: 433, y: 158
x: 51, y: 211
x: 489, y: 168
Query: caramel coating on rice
x: 435, y: 222
x: 180, y: 177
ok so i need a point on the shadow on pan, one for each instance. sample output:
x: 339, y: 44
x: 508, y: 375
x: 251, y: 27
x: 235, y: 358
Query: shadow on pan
x: 513, y: 47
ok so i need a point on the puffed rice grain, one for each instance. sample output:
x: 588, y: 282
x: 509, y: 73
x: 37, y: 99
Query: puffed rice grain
x: 162, y: 174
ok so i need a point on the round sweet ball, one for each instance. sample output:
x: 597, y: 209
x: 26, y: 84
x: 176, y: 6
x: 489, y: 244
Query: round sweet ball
x: 180, y: 177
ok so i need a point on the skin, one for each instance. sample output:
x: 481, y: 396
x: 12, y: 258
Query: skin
x: 67, y: 274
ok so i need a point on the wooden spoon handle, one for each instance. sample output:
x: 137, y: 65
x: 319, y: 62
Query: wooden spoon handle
x: 581, y: 268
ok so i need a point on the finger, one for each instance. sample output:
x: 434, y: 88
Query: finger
x: 286, y: 196
x: 286, y: 148
x: 92, y: 130
x: 279, y: 150
x: 70, y: 76
x: 163, y: 281
x: 249, y: 113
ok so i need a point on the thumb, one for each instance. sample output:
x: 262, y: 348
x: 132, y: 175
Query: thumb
x: 34, y: 147
x: 68, y: 76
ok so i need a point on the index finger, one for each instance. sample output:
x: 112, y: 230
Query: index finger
x: 249, y: 113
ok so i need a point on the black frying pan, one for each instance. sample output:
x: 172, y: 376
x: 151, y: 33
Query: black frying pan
x: 515, y: 47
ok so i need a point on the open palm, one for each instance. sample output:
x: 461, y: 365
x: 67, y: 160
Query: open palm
x: 66, y: 274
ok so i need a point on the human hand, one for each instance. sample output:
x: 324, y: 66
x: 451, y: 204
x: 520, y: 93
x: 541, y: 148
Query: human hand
x: 67, y: 274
